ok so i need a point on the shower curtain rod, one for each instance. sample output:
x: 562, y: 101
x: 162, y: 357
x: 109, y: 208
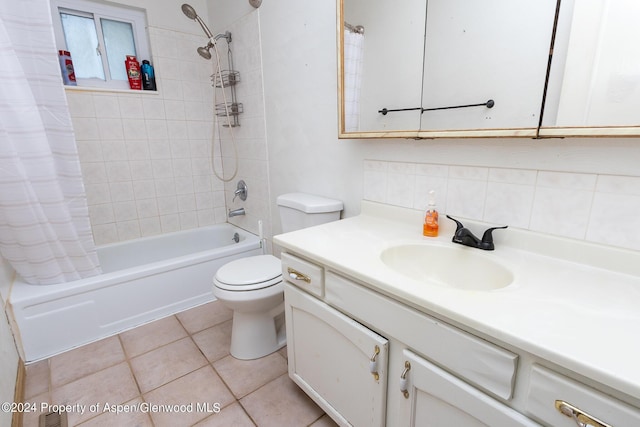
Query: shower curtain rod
x: 354, y: 28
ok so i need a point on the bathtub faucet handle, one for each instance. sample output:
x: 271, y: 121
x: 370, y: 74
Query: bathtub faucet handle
x: 241, y: 190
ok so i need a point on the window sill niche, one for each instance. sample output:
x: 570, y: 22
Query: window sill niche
x: 111, y: 90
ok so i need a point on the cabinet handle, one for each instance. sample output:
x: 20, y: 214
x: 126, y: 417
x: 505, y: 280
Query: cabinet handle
x: 373, y: 363
x: 296, y: 275
x: 403, y: 380
x: 581, y: 418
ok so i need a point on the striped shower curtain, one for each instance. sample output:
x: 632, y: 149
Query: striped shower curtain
x: 353, y: 56
x: 44, y: 224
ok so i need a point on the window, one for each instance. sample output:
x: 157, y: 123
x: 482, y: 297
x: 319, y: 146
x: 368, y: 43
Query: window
x: 99, y: 36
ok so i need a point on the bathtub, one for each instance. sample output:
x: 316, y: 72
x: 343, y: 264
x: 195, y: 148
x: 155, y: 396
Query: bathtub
x: 143, y: 280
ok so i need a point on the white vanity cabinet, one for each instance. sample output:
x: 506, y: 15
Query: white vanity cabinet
x: 370, y: 360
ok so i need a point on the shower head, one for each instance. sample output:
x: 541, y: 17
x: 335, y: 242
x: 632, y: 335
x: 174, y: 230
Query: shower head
x: 190, y: 13
x: 204, y: 51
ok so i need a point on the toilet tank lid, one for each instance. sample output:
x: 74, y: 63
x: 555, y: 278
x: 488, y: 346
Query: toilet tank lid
x: 309, y: 203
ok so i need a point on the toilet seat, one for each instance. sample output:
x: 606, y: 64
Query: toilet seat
x: 249, y: 274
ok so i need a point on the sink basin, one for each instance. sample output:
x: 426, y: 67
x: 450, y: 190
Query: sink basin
x: 453, y: 267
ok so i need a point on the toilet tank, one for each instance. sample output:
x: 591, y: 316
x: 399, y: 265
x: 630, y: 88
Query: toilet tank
x: 300, y: 210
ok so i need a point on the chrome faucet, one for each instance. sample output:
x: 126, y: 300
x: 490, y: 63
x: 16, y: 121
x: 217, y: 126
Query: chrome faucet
x: 464, y: 236
x: 241, y: 190
x: 236, y: 212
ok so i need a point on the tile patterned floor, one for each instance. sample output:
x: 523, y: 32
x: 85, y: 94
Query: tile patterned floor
x: 179, y: 360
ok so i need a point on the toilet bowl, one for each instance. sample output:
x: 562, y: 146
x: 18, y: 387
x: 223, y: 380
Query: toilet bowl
x: 253, y: 288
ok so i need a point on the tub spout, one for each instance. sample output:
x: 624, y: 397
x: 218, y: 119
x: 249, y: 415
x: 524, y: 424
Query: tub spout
x: 236, y: 212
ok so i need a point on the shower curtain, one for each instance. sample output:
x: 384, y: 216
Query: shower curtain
x: 45, y: 232
x: 353, y: 54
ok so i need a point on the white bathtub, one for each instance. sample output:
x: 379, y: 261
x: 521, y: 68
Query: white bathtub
x: 143, y: 280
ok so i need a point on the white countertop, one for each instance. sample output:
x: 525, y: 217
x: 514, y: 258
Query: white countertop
x: 572, y: 303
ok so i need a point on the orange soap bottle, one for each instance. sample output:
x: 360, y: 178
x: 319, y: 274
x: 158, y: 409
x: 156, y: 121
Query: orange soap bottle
x: 430, y: 226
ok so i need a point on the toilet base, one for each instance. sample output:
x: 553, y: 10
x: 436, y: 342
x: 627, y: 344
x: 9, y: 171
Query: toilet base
x: 256, y: 334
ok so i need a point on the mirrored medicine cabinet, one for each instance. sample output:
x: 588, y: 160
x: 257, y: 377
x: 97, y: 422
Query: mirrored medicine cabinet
x: 493, y: 68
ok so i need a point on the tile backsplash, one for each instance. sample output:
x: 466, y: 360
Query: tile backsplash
x: 597, y: 208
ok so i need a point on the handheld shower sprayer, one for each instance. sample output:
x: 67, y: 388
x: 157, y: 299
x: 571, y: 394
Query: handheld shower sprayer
x: 203, y: 51
x: 190, y: 13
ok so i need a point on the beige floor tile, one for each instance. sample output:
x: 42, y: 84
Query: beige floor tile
x: 37, y: 381
x: 324, y: 421
x: 113, y: 385
x: 135, y: 417
x: 85, y: 360
x: 245, y: 376
x: 204, y: 316
x: 31, y: 417
x: 215, y: 342
x: 283, y: 352
x: 281, y: 403
x: 151, y: 336
x: 231, y: 416
x: 166, y: 363
x: 195, y: 396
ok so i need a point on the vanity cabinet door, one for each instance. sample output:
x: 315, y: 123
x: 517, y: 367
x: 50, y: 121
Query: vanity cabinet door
x: 339, y: 363
x: 435, y: 398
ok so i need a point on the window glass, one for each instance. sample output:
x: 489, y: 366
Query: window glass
x: 99, y: 35
x: 82, y: 40
x: 118, y: 43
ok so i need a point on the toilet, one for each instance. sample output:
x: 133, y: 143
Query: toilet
x: 253, y: 288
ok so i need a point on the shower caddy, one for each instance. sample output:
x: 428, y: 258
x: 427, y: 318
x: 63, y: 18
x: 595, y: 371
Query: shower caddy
x: 228, y: 79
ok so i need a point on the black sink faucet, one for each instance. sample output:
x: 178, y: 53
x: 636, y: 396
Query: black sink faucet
x: 464, y: 236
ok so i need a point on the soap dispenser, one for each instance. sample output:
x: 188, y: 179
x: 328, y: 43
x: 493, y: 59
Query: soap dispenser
x: 430, y: 226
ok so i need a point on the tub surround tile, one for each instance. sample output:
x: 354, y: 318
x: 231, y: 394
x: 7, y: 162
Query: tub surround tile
x: 244, y: 376
x: 165, y: 364
x: 85, y: 360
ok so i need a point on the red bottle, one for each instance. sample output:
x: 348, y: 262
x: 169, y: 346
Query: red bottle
x: 133, y: 72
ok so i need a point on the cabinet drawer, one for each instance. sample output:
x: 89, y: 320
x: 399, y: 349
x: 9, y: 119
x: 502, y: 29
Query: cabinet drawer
x: 481, y: 363
x: 303, y: 274
x: 546, y: 387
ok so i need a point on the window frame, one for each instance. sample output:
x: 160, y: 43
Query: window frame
x: 98, y: 10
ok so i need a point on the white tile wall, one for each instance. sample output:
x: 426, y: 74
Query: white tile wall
x: 145, y: 156
x: 598, y: 208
